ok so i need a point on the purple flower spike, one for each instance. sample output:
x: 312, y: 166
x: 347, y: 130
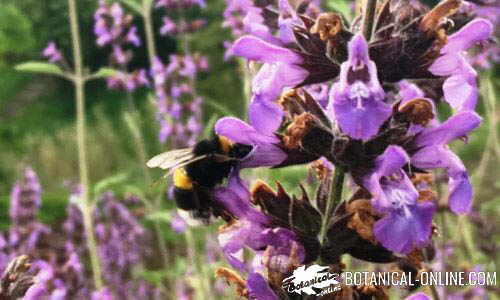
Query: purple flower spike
x: 265, y: 152
x: 258, y: 288
x: 434, y: 153
x: 406, y: 223
x: 460, y: 89
x: 357, y: 99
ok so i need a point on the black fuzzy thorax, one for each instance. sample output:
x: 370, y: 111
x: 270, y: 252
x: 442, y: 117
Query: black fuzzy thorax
x: 209, y: 172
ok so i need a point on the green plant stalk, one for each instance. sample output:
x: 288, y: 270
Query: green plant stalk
x: 368, y: 18
x: 335, y: 199
x: 79, y: 82
x: 151, y: 48
x: 203, y: 288
x: 148, y: 27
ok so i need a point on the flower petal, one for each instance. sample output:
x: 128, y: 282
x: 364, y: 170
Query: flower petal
x: 460, y: 188
x: 473, y: 32
x: 266, y: 151
x: 409, y: 91
x: 273, y: 78
x: 418, y: 296
x: 456, y: 126
x: 391, y: 161
x: 265, y: 116
x: 254, y: 48
x: 460, y: 91
x: 258, y: 288
x: 402, y: 231
x: 240, y: 132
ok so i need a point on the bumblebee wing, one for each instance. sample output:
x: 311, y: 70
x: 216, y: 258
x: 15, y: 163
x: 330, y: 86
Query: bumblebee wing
x: 170, y: 159
x: 184, y: 163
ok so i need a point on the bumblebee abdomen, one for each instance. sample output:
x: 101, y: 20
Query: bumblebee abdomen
x: 185, y: 199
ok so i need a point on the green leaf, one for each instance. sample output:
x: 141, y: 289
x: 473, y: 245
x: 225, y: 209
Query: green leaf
x: 103, y: 73
x: 39, y: 67
x: 133, y: 4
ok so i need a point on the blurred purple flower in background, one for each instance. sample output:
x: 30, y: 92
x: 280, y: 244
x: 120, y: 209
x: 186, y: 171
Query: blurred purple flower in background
x: 52, y: 53
x: 60, y: 252
x: 114, y: 28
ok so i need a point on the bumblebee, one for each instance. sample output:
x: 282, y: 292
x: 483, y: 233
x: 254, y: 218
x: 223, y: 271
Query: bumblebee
x: 198, y: 170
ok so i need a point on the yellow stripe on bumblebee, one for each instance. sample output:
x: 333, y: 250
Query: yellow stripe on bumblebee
x: 182, y: 180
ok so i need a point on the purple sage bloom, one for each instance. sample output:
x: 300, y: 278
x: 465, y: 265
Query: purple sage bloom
x: 406, y: 222
x: 258, y: 288
x: 265, y: 152
x: 253, y: 229
x: 460, y: 88
x: 357, y: 100
x: 433, y: 152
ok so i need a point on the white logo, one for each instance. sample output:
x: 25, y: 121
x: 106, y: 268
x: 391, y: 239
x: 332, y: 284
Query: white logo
x: 314, y: 280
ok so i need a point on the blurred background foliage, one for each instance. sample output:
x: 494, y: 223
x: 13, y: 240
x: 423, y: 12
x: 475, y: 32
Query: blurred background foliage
x: 37, y: 112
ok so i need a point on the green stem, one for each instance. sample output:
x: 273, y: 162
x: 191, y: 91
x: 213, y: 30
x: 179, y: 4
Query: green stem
x: 203, y: 288
x: 148, y: 27
x: 335, y: 199
x: 369, y: 18
x: 151, y: 48
x: 82, y: 154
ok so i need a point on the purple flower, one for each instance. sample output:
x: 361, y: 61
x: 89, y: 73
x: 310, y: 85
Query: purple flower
x: 281, y: 69
x: 409, y: 91
x: 258, y: 288
x: 418, y: 296
x: 253, y: 229
x: 265, y: 152
x: 406, y: 222
x: 113, y: 27
x: 433, y: 152
x: 168, y: 27
x: 177, y: 223
x: 52, y: 53
x: 25, y: 198
x: 358, y: 99
x: 460, y: 88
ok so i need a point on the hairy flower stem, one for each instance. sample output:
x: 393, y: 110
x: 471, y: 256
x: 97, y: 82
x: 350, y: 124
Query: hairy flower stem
x: 369, y: 18
x: 79, y: 81
x: 335, y: 199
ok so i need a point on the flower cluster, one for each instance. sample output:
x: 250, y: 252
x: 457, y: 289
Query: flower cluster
x: 327, y: 91
x: 179, y: 106
x: 59, y: 253
x: 114, y: 28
